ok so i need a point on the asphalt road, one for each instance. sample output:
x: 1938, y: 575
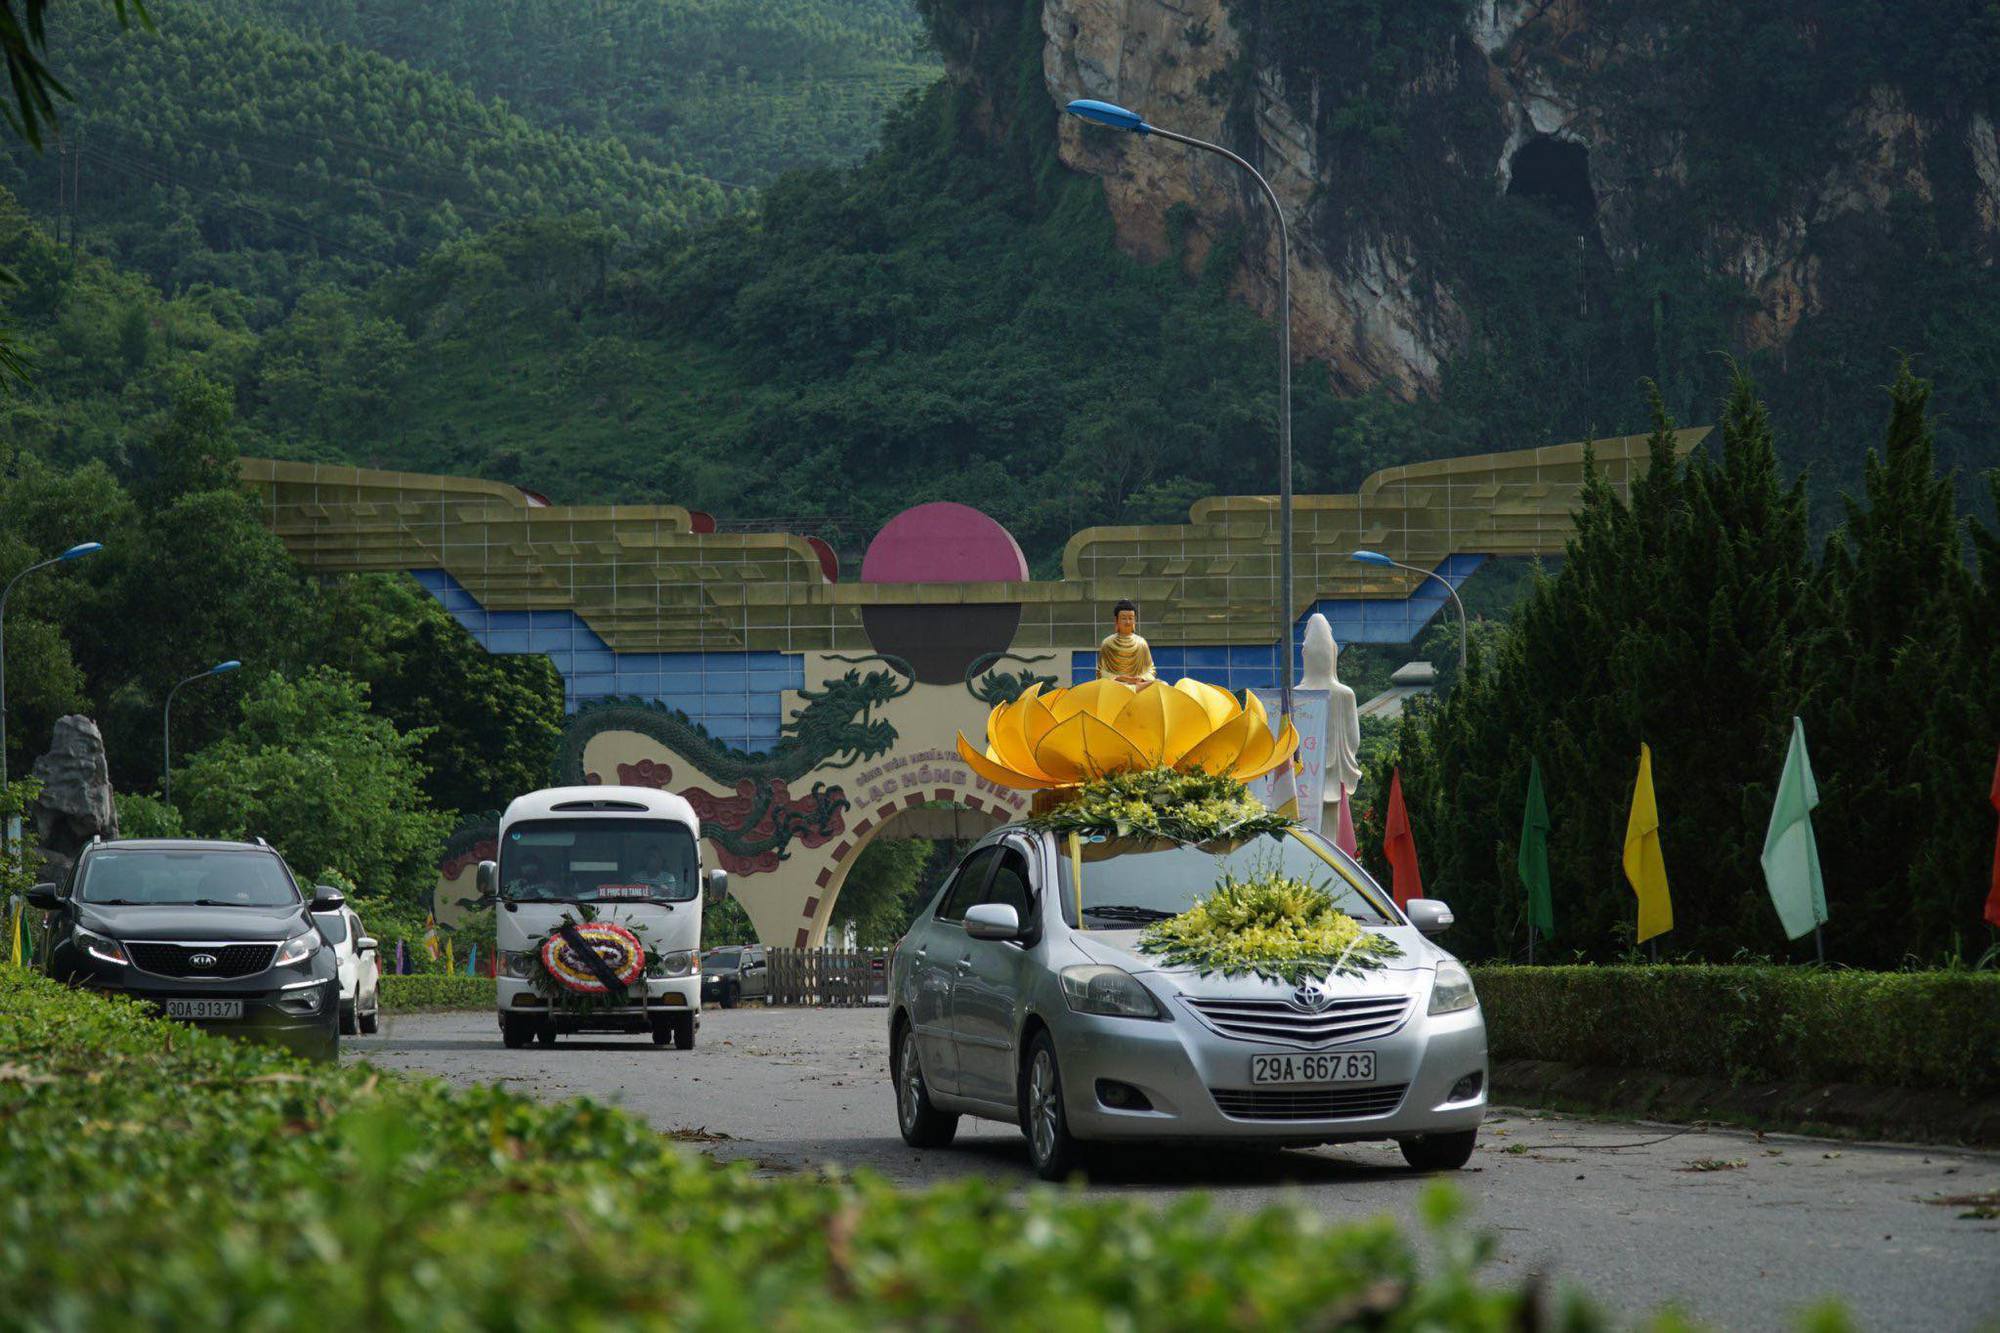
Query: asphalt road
x: 1740, y: 1231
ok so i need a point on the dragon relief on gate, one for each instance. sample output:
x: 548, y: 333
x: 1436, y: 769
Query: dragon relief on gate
x: 754, y: 826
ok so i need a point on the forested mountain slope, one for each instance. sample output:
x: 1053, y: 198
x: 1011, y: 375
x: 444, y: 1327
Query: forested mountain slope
x: 734, y: 89
x: 249, y: 158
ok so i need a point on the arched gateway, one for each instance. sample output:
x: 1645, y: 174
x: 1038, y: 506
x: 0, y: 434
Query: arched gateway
x: 801, y: 715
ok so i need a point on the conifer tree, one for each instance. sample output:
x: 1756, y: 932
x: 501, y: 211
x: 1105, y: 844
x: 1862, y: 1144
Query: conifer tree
x: 1889, y: 698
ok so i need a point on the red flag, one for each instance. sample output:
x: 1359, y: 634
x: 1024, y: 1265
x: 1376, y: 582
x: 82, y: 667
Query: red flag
x: 1993, y: 895
x: 1400, y: 847
x: 1343, y: 834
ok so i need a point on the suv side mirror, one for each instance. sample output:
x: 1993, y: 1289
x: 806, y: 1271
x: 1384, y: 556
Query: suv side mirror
x: 718, y: 884
x: 365, y: 943
x: 43, y: 898
x: 326, y: 898
x: 993, y: 921
x: 1429, y: 915
x: 487, y: 879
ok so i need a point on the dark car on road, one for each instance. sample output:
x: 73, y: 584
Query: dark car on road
x: 216, y: 933
x: 734, y: 973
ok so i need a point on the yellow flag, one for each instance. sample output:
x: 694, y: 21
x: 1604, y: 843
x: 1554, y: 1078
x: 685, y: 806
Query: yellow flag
x: 17, y: 936
x: 1645, y: 867
x: 451, y: 966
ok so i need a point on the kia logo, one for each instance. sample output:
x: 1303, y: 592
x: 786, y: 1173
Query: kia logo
x: 202, y: 960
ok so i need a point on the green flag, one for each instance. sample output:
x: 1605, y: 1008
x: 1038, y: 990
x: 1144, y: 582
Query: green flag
x: 1791, y: 856
x: 1533, y: 862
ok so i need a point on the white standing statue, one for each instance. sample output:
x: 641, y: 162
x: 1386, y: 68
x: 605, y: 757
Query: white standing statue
x: 1342, y: 755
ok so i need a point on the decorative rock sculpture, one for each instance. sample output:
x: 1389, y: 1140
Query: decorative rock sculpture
x: 1342, y: 756
x: 75, y: 804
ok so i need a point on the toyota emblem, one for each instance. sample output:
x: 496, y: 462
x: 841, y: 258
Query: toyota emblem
x: 1312, y: 998
x: 202, y: 960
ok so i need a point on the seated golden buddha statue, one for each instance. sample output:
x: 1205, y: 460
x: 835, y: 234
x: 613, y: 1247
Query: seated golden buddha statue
x: 1124, y: 655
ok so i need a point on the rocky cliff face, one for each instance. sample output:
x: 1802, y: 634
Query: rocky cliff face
x: 1542, y: 100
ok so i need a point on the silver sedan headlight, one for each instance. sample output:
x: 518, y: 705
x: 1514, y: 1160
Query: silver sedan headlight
x: 1093, y: 988
x: 1452, y: 991
x: 676, y: 964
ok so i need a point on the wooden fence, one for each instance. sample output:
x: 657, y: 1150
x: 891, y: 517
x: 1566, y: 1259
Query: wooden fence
x: 829, y: 976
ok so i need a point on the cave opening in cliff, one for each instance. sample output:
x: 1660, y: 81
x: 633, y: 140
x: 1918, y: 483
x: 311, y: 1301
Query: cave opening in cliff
x: 1555, y: 174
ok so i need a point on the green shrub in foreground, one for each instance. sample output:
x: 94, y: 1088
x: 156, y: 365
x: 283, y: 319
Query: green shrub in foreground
x: 1923, y: 1030
x: 436, y: 990
x: 155, y: 1176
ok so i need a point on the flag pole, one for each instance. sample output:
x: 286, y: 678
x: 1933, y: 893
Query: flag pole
x: 1531, y: 944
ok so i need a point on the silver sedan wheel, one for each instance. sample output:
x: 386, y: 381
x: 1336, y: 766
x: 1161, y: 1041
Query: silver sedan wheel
x: 1043, y: 1124
x: 910, y: 1089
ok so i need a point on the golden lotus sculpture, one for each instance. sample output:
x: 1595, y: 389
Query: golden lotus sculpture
x: 1063, y: 737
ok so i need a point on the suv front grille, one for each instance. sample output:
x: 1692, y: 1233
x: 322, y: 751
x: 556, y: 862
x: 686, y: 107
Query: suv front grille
x: 1308, y: 1103
x: 1282, y: 1021
x: 231, y: 960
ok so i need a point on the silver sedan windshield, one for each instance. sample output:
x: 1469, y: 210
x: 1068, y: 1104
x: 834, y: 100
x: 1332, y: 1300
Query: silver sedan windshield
x: 1129, y: 882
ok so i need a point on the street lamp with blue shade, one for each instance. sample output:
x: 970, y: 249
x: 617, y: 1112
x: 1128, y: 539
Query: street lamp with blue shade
x: 1109, y: 113
x: 1371, y: 558
x: 80, y: 550
x: 167, y: 725
x: 1377, y: 558
x: 75, y: 552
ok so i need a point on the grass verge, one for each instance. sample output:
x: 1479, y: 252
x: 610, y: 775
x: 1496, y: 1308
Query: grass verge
x: 155, y: 1176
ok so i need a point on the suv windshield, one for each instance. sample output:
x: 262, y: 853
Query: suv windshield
x: 598, y: 860
x: 722, y: 960
x: 198, y: 876
x: 1129, y: 882
x: 332, y: 926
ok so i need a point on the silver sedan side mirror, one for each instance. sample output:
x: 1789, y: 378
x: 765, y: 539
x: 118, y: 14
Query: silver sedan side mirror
x: 718, y: 884
x: 1429, y: 915
x: 993, y: 921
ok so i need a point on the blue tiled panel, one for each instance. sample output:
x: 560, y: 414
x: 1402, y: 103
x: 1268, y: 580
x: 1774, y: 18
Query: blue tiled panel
x: 1252, y: 666
x: 738, y: 697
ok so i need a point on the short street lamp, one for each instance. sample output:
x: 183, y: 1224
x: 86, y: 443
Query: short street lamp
x: 76, y: 552
x: 167, y: 726
x: 1377, y: 558
x: 1118, y: 118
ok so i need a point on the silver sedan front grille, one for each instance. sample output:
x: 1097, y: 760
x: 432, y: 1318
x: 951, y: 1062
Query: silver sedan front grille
x: 1285, y: 1023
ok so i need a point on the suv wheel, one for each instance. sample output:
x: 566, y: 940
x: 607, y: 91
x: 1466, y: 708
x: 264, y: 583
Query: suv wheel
x: 1438, y: 1152
x: 732, y: 995
x: 923, y: 1125
x: 372, y: 1019
x: 1053, y: 1149
x: 516, y: 1031
x: 683, y: 1031
x: 346, y: 1019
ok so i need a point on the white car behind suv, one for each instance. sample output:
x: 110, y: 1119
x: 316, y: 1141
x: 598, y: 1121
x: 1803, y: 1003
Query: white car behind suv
x: 360, y: 971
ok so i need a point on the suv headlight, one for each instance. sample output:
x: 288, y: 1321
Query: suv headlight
x: 520, y: 966
x: 676, y: 964
x: 297, y: 949
x: 101, y: 947
x: 1093, y: 988
x: 1452, y: 991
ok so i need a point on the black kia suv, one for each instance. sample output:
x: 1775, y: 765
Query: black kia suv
x: 216, y: 933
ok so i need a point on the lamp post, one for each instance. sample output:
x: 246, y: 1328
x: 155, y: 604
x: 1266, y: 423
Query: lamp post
x: 1377, y: 558
x: 76, y: 552
x: 167, y: 726
x: 1118, y: 118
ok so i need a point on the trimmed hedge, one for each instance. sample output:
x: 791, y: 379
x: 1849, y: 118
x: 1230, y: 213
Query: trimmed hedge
x: 154, y: 1176
x: 1932, y: 1031
x: 435, y: 990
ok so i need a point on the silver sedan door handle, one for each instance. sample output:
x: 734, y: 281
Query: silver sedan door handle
x: 965, y: 963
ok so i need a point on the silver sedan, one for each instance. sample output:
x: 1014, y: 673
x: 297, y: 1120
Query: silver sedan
x: 1020, y: 995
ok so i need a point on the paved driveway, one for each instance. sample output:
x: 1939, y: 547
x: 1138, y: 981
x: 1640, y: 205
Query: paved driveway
x: 1736, y: 1230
